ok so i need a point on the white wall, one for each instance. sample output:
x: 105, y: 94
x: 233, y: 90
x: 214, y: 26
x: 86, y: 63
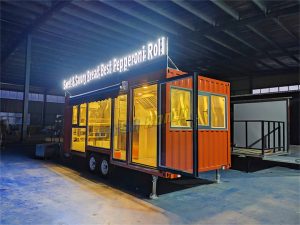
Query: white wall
x: 271, y: 110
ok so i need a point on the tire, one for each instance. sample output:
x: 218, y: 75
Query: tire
x: 92, y: 163
x: 104, y: 167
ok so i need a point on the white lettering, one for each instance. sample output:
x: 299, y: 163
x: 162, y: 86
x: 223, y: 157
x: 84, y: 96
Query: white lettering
x: 150, y: 49
x: 148, y: 52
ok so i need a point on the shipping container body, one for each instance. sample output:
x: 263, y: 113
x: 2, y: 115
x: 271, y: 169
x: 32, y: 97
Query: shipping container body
x: 160, y: 121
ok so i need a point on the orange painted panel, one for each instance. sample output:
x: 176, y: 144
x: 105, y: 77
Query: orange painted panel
x: 214, y: 144
x: 178, y: 142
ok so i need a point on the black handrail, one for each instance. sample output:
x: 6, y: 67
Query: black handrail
x: 278, y: 130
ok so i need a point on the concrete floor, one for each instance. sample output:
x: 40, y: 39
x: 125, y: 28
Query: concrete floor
x: 41, y: 192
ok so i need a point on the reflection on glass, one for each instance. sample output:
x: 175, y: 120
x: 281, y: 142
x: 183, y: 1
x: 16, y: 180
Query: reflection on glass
x: 74, y: 114
x: 82, y: 115
x: 144, y: 136
x: 217, y: 111
x: 78, y: 139
x: 120, y: 122
x: 203, y: 110
x: 180, y: 108
x: 99, y: 123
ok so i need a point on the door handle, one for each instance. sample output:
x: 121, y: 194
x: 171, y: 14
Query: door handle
x: 190, y: 120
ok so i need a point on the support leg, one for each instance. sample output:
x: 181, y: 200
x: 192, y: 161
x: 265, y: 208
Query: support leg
x: 153, y: 195
x: 218, y: 177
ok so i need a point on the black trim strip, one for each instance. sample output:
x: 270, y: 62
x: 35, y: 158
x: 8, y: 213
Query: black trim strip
x: 195, y: 124
x: 96, y: 95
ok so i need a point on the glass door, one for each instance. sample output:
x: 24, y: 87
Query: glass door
x: 176, y: 125
x: 144, y: 133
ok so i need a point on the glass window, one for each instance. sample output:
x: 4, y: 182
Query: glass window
x: 293, y: 88
x: 120, y: 122
x: 78, y: 139
x: 284, y: 88
x: 256, y: 91
x: 144, y: 134
x: 274, y: 89
x: 264, y: 90
x: 203, y: 119
x: 180, y: 108
x: 218, y: 106
x: 74, y: 115
x: 82, y: 115
x: 99, y: 123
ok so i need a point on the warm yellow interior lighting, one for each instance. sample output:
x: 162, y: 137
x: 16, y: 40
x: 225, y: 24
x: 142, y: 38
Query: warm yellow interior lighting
x: 75, y: 115
x: 203, y: 119
x: 144, y: 136
x: 99, y: 123
x: 78, y: 139
x: 180, y: 108
x: 82, y: 115
x: 120, y: 122
x: 217, y: 111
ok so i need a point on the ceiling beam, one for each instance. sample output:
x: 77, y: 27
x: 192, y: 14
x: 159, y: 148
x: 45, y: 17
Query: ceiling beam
x: 137, y: 21
x: 263, y: 7
x: 224, y: 6
x: 234, y: 14
x: 233, y: 24
x: 149, y: 19
x: 271, y: 42
x: 210, y: 21
x: 235, y: 36
x: 188, y: 7
x: 36, y: 24
x: 279, y: 23
x: 166, y: 13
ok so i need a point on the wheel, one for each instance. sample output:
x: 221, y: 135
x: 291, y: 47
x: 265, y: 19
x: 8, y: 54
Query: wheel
x: 92, y: 163
x: 104, y: 167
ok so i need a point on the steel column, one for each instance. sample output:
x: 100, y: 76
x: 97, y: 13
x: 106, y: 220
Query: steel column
x: 26, y: 87
x: 195, y: 125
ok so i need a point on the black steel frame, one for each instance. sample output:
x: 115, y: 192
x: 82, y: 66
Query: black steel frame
x: 194, y: 121
x: 278, y: 127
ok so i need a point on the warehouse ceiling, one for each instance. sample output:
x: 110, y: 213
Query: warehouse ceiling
x: 219, y: 37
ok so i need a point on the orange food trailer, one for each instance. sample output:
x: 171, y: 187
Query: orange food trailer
x: 136, y: 112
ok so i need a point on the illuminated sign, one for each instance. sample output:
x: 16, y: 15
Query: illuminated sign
x: 148, y: 52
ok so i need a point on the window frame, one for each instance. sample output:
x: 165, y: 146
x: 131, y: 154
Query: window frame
x: 130, y: 116
x: 201, y: 93
x: 113, y: 128
x: 209, y: 127
x: 191, y: 108
x: 77, y: 125
x: 77, y: 116
x: 225, y: 114
x: 111, y: 125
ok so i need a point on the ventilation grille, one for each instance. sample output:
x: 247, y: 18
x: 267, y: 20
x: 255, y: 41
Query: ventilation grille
x: 148, y: 102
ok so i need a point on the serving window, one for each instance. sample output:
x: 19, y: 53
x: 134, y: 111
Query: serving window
x: 99, y: 124
x: 181, y: 108
x: 78, y: 128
